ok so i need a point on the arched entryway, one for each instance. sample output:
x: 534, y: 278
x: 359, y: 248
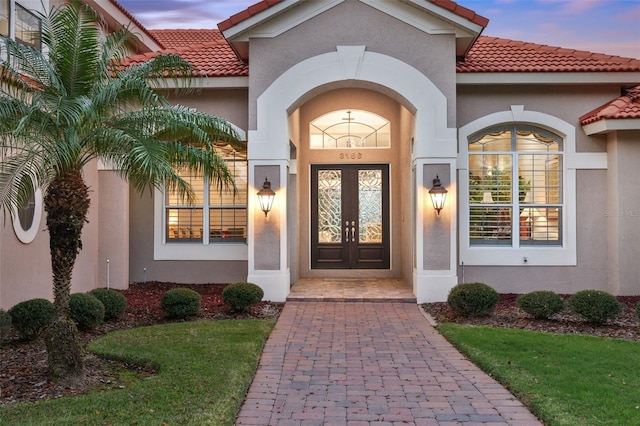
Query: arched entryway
x: 422, y: 110
x: 349, y: 185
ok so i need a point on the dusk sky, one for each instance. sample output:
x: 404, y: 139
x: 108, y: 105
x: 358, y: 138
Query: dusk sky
x: 603, y: 26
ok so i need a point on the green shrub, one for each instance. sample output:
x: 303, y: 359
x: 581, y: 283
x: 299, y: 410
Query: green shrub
x: 240, y: 296
x: 86, y: 310
x: 5, y: 325
x: 180, y: 303
x: 595, y: 306
x: 30, y: 317
x: 540, y: 304
x: 472, y: 299
x: 114, y: 302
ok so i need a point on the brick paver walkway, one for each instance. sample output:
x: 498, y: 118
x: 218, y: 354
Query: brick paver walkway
x: 341, y: 363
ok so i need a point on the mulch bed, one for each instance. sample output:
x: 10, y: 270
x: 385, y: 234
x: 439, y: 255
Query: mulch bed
x: 23, y: 365
x: 507, y: 314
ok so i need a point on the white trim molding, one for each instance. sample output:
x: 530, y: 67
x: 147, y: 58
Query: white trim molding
x: 269, y: 143
x: 541, y: 78
x: 188, y: 251
x: 26, y: 236
x: 566, y: 254
x: 611, y: 125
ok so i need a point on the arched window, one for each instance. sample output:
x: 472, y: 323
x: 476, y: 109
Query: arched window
x: 349, y: 129
x: 515, y: 186
x: 517, y: 195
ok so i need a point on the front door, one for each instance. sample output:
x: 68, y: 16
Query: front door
x: 350, y: 216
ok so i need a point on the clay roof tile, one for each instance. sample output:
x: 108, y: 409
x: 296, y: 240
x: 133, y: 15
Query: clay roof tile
x: 626, y: 106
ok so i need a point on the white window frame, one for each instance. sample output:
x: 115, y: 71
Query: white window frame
x: 188, y: 251
x: 564, y: 254
x: 197, y: 250
x: 27, y: 236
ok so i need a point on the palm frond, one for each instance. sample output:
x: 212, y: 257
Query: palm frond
x: 20, y: 173
x: 73, y: 36
x: 160, y: 71
x: 25, y: 69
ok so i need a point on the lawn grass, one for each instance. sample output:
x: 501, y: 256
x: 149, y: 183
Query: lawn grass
x: 563, y: 379
x: 204, y: 369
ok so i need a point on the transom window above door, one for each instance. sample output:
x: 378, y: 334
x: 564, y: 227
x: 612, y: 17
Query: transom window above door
x: 349, y: 128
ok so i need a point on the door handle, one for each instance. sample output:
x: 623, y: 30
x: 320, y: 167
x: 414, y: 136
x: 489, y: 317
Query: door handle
x: 346, y: 231
x: 353, y: 232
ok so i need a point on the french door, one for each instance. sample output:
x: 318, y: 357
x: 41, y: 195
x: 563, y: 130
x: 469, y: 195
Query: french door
x: 350, y: 216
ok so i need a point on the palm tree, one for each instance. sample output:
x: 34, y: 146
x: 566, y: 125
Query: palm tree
x: 73, y: 103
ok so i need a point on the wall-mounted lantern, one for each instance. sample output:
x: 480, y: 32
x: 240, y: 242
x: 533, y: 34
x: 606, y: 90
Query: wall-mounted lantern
x: 438, y: 195
x: 265, y: 197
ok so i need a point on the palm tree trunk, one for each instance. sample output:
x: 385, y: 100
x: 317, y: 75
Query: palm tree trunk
x: 66, y: 204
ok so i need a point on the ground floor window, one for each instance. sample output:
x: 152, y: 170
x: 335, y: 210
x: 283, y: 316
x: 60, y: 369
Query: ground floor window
x: 216, y: 216
x: 515, y: 187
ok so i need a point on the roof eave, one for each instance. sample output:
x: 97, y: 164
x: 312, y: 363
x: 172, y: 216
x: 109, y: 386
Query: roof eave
x: 605, y: 126
x: 116, y: 15
x: 543, y: 78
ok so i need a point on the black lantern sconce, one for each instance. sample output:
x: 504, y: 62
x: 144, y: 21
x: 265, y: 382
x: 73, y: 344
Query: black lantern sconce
x: 265, y: 197
x: 438, y: 195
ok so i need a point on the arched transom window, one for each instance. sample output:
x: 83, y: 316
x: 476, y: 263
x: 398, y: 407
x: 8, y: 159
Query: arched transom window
x: 515, y: 187
x: 349, y: 128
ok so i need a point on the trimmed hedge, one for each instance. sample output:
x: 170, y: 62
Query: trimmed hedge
x: 240, y: 296
x: 5, y: 325
x: 114, y: 302
x: 540, y: 304
x: 595, y: 306
x: 180, y: 303
x: 32, y: 316
x: 86, y: 310
x: 472, y: 299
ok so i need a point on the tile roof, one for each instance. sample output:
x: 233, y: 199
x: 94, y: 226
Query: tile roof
x: 206, y: 50
x: 265, y: 4
x: 492, y: 54
x: 175, y: 39
x: 626, y: 106
x: 461, y: 11
x: 246, y: 14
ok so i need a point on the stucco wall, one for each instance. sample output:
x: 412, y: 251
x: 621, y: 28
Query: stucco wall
x: 353, y: 23
x: 141, y: 252
x: 230, y: 104
x: 26, y: 268
x: 567, y: 103
x: 436, y: 227
x: 113, y: 250
x: 621, y: 213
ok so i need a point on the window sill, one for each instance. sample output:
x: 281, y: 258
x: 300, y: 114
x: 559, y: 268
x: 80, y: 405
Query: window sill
x: 196, y: 251
x: 544, y: 255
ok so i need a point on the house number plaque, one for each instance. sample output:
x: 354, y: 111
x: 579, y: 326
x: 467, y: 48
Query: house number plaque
x: 350, y: 155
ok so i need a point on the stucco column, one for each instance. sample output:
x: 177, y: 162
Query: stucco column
x: 435, y: 271
x: 267, y: 236
x: 113, y: 230
x: 622, y: 212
